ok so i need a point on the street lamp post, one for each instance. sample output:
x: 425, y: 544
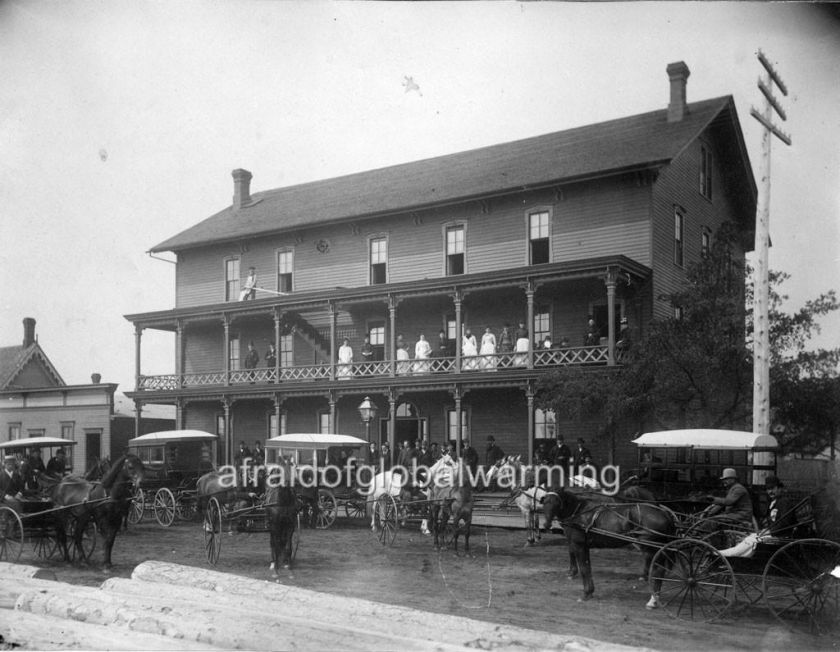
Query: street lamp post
x: 368, y: 411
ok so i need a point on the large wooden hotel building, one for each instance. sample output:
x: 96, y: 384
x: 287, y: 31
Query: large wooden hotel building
x: 592, y: 223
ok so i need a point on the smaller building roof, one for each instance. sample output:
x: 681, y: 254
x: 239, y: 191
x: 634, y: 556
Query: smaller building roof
x: 166, y: 436
x: 706, y: 438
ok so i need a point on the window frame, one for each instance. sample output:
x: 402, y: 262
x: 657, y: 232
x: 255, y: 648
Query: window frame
x: 620, y: 313
x: 544, y: 427
x: 377, y: 237
x: 452, y: 226
x: 529, y: 254
x: 17, y: 427
x: 679, y: 236
x: 232, y: 286
x: 541, y: 310
x: 705, y: 242
x: 68, y: 424
x: 466, y: 421
x: 323, y: 421
x: 235, y: 353
x: 278, y: 280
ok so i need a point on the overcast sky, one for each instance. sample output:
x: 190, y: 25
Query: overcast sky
x: 120, y: 123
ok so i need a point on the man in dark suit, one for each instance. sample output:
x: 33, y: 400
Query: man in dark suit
x: 580, y: 454
x: 11, y: 484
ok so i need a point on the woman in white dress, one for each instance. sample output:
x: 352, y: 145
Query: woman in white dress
x: 488, y: 349
x: 403, y: 364
x: 422, y: 352
x: 469, y: 349
x: 345, y: 360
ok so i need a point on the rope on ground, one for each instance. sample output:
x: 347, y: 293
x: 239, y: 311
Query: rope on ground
x: 489, y: 580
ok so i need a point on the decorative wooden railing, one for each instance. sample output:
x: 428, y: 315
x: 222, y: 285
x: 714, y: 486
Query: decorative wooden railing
x: 542, y: 359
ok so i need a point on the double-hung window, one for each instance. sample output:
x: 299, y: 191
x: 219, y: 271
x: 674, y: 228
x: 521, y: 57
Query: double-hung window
x: 233, y: 354
x: 679, y: 240
x: 542, y: 323
x: 378, y: 261
x: 285, y: 270
x: 232, y: 279
x: 452, y: 425
x: 545, y: 424
x: 538, y: 236
x: 705, y: 242
x: 455, y: 250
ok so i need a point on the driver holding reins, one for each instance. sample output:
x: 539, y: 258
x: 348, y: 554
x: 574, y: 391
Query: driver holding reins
x: 736, y: 506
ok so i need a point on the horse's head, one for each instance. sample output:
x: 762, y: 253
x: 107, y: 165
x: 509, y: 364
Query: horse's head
x: 559, y: 504
x: 126, y: 470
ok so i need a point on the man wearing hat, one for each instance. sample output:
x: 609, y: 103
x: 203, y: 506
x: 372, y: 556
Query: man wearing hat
x: 781, y: 513
x: 11, y: 484
x: 736, y: 506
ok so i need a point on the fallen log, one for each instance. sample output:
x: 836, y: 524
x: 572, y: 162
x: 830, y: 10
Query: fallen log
x: 9, y: 570
x: 11, y: 589
x: 199, y: 620
x: 38, y: 632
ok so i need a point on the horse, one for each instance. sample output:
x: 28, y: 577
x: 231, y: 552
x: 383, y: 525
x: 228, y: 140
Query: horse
x: 106, y: 502
x: 281, y: 507
x: 450, y: 496
x: 98, y: 470
x: 384, y: 483
x: 223, y: 487
x: 593, y: 520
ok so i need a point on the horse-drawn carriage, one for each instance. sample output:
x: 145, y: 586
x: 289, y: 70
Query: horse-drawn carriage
x: 64, y: 508
x: 38, y: 520
x: 699, y: 566
x: 312, y: 465
x: 174, y: 460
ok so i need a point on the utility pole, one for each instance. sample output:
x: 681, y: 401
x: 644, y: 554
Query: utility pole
x: 761, y: 334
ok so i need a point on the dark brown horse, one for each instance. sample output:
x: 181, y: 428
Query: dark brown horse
x: 106, y: 503
x: 450, y: 497
x: 593, y: 520
x: 281, y: 507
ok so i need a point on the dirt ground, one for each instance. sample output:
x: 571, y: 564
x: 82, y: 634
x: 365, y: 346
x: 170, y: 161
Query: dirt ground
x: 501, y: 581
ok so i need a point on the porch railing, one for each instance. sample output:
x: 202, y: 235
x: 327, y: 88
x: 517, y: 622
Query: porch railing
x: 584, y: 355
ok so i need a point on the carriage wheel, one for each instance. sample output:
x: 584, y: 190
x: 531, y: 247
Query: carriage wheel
x: 802, y: 588
x: 697, y: 582
x: 296, y: 538
x: 11, y: 534
x: 82, y: 550
x: 326, y: 509
x: 165, y: 507
x: 354, y: 509
x: 385, y: 522
x: 186, y: 509
x: 213, y: 530
x: 46, y: 545
x: 137, y: 507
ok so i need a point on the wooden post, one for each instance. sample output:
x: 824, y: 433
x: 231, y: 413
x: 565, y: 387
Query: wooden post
x: 761, y: 327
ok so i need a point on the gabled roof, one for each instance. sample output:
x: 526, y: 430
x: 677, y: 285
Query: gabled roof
x: 13, y: 359
x: 605, y: 148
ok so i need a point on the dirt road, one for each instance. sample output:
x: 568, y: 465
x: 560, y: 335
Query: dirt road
x: 501, y: 581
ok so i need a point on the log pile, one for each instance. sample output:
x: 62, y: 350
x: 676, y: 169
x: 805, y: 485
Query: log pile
x: 167, y: 606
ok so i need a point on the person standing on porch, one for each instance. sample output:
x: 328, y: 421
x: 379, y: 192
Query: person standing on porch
x: 250, y: 289
x: 345, y: 360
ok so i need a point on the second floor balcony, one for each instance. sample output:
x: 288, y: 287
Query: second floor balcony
x: 513, y: 362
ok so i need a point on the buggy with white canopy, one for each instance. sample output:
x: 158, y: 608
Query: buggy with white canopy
x: 174, y: 460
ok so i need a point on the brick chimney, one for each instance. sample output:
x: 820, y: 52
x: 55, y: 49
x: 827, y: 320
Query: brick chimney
x: 678, y: 74
x: 28, y: 331
x: 241, y: 188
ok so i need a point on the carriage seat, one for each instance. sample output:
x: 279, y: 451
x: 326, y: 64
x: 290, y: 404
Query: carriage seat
x: 746, y: 546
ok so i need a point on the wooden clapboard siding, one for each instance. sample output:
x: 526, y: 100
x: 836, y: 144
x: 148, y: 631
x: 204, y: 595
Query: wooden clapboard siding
x: 591, y: 219
x: 679, y: 185
x: 203, y: 349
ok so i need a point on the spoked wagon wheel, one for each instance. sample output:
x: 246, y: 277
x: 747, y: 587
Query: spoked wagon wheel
x: 137, y: 507
x: 801, y: 586
x: 213, y: 530
x: 326, y: 509
x: 82, y: 549
x: 11, y: 534
x: 46, y: 545
x: 354, y: 508
x: 164, y: 506
x: 385, y: 522
x: 694, y: 581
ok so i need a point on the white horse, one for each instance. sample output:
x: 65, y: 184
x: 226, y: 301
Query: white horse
x: 528, y: 497
x: 388, y: 483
